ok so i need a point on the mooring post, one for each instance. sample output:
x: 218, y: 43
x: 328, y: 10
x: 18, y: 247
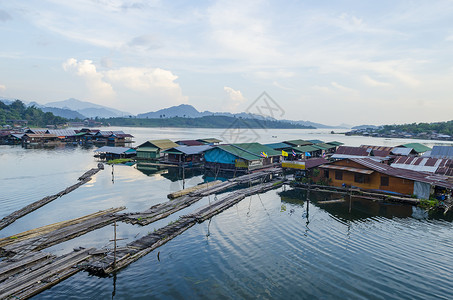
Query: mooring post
x: 114, y: 244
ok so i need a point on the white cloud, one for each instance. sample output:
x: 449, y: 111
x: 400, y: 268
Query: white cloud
x: 372, y: 82
x: 156, y: 83
x: 235, y: 99
x: 99, y: 89
x: 344, y: 88
x: 146, y: 83
x: 2, y: 88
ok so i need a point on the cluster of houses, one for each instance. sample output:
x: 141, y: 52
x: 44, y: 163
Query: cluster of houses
x: 50, y: 137
x: 374, y: 132
x: 409, y: 169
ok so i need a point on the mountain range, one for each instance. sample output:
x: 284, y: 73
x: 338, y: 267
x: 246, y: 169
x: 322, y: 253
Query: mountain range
x: 73, y: 108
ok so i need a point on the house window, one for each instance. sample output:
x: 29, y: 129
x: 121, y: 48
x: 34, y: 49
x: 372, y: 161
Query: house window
x: 359, y: 178
x: 338, y: 175
x: 326, y: 173
x: 384, y: 181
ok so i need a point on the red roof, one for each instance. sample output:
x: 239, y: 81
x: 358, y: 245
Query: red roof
x: 358, y: 151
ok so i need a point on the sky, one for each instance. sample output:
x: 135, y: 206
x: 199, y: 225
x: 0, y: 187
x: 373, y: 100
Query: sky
x: 331, y: 62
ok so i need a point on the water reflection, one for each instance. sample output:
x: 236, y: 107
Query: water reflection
x: 346, y: 208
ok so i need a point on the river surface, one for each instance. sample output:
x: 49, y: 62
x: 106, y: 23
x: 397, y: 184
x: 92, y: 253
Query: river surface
x: 282, y: 244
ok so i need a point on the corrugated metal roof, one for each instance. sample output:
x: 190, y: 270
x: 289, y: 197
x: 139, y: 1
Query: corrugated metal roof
x: 419, y: 148
x: 437, y: 180
x: 343, y: 168
x: 190, y: 143
x: 401, y: 151
x: 257, y: 148
x: 40, y: 135
x: 239, y: 152
x: 278, y: 146
x: 357, y: 151
x: 298, y: 142
x: 335, y: 143
x: 303, y: 149
x: 324, y: 146
x: 442, y: 152
x: 189, y: 150
x: 347, y: 156
x: 147, y: 149
x: 161, y: 144
x: 381, y: 153
x: 380, y: 148
x: 62, y: 132
x: 115, y: 150
x: 315, y: 162
x: 316, y: 141
x: 210, y: 140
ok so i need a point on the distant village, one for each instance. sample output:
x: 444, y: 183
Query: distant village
x: 375, y: 132
x: 411, y: 169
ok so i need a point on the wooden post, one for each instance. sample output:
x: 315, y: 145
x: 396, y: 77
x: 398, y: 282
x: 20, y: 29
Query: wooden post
x: 114, y: 245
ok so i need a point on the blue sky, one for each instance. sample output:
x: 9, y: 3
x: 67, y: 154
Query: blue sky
x: 355, y: 62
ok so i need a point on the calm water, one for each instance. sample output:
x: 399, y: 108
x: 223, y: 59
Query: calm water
x: 283, y: 244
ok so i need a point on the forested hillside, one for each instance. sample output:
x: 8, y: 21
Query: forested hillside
x: 35, y: 116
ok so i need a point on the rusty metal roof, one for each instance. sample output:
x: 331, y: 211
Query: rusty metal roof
x: 437, y: 180
x: 381, y: 148
x: 350, y: 169
x: 357, y: 151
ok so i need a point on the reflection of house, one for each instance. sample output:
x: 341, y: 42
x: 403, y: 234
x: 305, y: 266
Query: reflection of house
x: 185, y: 154
x: 107, y: 152
x: 366, y: 173
x: 153, y: 149
x: 245, y: 156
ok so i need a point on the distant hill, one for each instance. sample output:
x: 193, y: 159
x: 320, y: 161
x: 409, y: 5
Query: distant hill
x: 34, y: 116
x: 88, y: 109
x: 202, y: 122
x: 363, y: 127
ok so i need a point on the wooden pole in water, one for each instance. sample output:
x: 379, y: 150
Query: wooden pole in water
x: 114, y: 245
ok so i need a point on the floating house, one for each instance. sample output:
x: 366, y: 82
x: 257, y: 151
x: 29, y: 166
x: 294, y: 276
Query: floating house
x: 305, y: 164
x: 152, y: 150
x: 440, y: 152
x: 298, y: 143
x: 190, y: 143
x: 344, y: 152
x: 40, y: 139
x: 245, y: 157
x: 185, y: 155
x: 366, y: 173
x: 210, y: 141
x: 107, y: 152
x: 417, y: 147
x: 441, y: 166
x: 279, y: 146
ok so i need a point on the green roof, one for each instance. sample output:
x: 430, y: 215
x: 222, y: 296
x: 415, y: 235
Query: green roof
x: 324, y: 146
x: 239, y: 152
x: 335, y: 143
x: 147, y: 149
x: 161, y: 144
x: 316, y: 141
x: 303, y: 149
x: 209, y: 140
x: 419, y: 148
x: 298, y: 142
x: 257, y: 148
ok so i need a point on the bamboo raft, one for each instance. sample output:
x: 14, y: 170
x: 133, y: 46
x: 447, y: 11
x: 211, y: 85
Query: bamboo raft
x: 31, y: 241
x: 137, y: 249
x: 27, y: 270
x: 6, y: 221
x: 33, y: 274
x: 165, y: 209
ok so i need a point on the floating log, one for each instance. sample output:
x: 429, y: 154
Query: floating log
x: 35, y: 205
x: 192, y: 189
x: 331, y: 201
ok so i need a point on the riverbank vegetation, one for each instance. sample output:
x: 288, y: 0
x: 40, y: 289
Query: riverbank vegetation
x: 30, y: 116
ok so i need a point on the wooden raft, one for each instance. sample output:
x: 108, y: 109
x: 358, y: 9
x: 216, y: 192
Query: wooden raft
x: 37, y: 204
x: 33, y: 274
x: 20, y: 245
x: 137, y: 249
x: 165, y: 209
